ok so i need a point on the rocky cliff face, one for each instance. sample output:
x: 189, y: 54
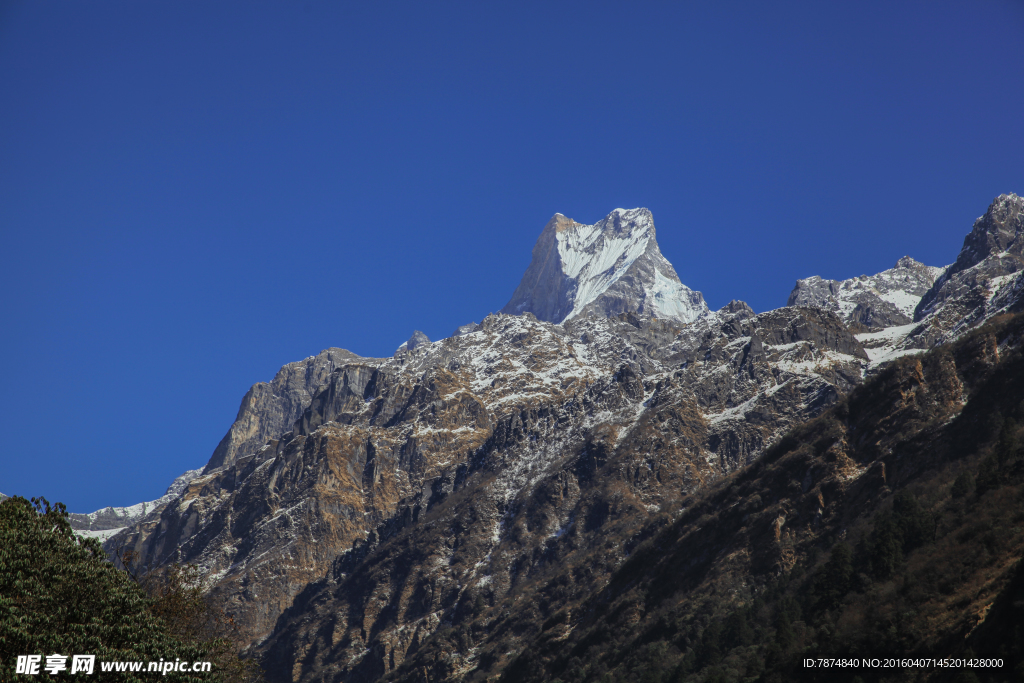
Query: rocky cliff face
x: 985, y: 280
x: 994, y: 244
x: 608, y: 268
x: 269, y: 409
x: 358, y: 506
x: 417, y: 339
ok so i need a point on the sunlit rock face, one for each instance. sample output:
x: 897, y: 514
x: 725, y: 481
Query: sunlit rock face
x: 269, y: 408
x: 608, y: 268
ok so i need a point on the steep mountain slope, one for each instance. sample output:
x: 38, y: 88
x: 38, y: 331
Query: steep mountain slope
x: 267, y: 411
x: 611, y: 267
x: 360, y: 509
x: 992, y: 249
x: 889, y: 526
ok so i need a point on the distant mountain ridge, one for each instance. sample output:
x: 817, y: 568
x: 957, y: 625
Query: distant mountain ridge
x: 106, y: 522
x: 873, y: 302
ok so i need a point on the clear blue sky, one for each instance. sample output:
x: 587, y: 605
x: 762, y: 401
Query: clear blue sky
x: 195, y: 193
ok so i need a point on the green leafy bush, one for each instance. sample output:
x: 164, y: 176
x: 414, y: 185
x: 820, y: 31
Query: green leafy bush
x: 59, y: 595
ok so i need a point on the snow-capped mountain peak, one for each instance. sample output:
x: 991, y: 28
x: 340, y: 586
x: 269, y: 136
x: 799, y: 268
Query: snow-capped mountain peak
x: 611, y: 267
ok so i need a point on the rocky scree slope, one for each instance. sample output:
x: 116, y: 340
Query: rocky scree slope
x: 360, y: 506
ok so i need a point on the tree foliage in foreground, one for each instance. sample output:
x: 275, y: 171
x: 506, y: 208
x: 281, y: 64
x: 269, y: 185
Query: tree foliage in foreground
x: 58, y: 595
